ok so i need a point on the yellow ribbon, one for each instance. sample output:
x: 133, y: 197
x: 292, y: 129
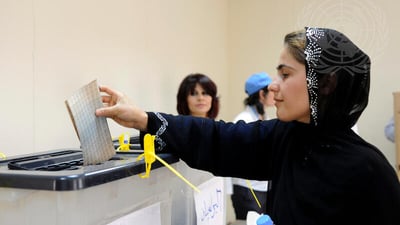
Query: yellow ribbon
x: 150, y: 157
x: 252, y: 192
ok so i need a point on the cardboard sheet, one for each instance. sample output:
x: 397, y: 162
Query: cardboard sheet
x: 93, y: 132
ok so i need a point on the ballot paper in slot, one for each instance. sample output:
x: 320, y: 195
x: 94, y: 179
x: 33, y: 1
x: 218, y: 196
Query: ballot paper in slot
x: 93, y: 132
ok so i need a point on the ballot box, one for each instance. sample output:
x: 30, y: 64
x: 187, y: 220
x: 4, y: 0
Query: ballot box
x: 53, y: 187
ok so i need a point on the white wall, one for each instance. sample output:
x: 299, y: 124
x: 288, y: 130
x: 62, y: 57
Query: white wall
x: 48, y: 49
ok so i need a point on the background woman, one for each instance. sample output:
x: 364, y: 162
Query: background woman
x: 197, y: 96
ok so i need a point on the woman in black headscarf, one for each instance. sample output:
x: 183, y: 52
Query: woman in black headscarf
x: 321, y: 172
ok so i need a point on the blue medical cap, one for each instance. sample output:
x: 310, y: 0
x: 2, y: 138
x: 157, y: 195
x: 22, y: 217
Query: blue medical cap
x: 257, y: 82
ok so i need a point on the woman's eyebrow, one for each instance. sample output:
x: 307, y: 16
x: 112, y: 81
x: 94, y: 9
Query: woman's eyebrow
x: 280, y: 66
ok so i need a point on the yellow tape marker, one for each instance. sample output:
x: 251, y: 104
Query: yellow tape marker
x: 252, y: 192
x: 149, y: 154
x: 150, y: 157
x: 123, y: 140
x: 2, y: 155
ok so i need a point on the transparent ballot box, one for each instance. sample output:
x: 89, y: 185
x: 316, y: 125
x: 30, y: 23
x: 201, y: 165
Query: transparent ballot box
x: 54, y: 187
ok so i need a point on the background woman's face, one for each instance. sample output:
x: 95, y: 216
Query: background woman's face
x: 290, y: 90
x: 199, y: 102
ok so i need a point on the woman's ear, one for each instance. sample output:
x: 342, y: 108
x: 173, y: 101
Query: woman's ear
x: 261, y: 95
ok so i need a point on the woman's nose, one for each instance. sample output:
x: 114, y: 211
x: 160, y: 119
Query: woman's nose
x: 200, y: 96
x: 274, y: 86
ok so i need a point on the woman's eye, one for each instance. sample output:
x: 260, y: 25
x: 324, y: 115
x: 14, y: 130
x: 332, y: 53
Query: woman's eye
x: 283, y: 76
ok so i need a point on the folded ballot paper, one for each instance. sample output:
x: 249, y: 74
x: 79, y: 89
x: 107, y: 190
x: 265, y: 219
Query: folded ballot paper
x: 93, y: 132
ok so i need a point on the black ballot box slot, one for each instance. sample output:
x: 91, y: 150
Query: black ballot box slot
x: 68, y: 159
x: 63, y: 170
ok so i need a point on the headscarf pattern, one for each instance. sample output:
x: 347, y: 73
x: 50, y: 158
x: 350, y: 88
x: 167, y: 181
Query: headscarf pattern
x: 337, y: 74
x: 312, y: 53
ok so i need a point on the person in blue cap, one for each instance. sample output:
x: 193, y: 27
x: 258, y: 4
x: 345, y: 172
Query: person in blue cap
x: 257, y: 100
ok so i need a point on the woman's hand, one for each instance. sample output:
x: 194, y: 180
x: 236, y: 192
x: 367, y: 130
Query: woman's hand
x: 119, y: 107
